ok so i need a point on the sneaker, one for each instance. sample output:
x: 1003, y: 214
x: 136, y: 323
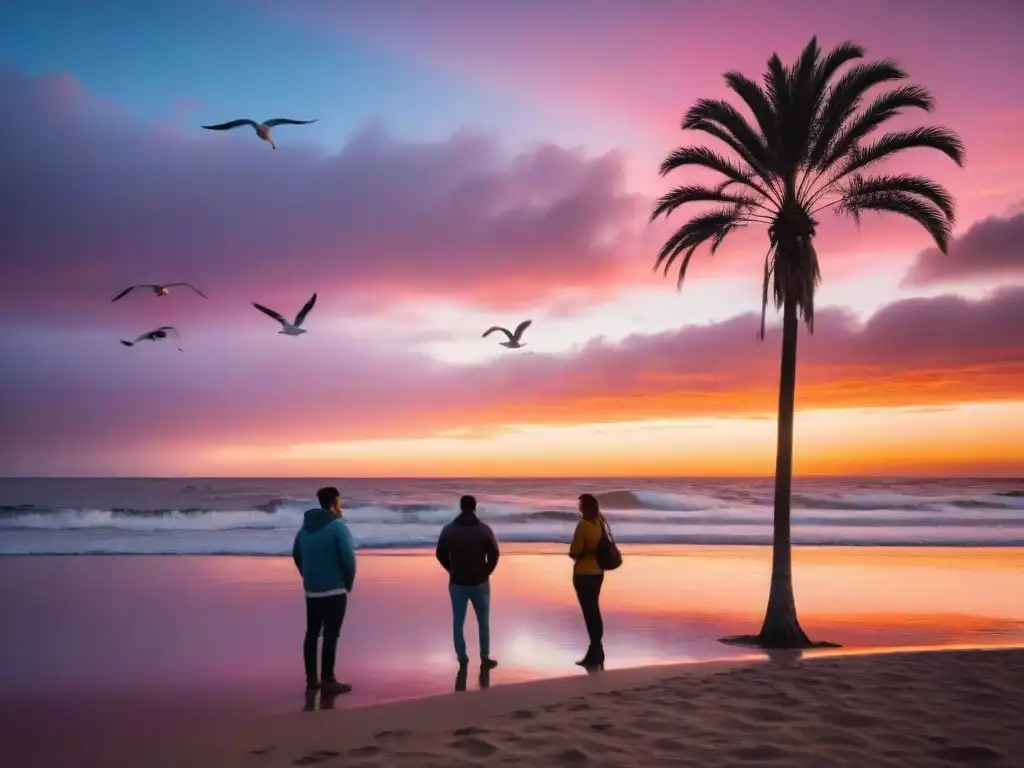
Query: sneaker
x: 334, y: 687
x: 488, y: 663
x: 312, y: 685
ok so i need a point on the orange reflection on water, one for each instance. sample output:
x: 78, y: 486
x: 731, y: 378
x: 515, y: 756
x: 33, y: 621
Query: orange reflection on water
x: 884, y: 596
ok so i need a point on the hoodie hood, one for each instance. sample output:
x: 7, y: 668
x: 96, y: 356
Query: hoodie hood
x: 315, y: 519
x: 466, y: 518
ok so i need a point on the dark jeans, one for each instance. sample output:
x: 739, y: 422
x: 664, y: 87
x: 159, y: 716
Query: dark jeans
x: 588, y: 592
x: 325, y: 613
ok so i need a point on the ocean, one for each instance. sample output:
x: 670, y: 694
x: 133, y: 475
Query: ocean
x: 253, y: 516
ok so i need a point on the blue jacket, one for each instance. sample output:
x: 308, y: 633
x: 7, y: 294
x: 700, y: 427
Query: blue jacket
x: 324, y: 554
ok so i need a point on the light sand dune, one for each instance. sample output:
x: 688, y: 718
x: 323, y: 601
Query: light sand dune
x: 904, y: 709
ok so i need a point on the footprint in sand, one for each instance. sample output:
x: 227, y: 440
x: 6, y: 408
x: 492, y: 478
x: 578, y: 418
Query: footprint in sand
x: 470, y: 731
x: 262, y: 750
x: 524, y: 714
x: 475, y: 747
x: 319, y: 756
x: 852, y: 719
x: 366, y: 751
x: 969, y: 754
x: 759, y: 753
x: 764, y: 715
x: 571, y: 757
x: 391, y: 734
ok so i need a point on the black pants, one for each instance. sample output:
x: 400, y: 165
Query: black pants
x: 324, y: 613
x: 588, y: 592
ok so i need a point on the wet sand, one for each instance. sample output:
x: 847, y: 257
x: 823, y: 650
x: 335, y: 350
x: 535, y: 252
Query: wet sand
x: 897, y: 710
x: 165, y: 648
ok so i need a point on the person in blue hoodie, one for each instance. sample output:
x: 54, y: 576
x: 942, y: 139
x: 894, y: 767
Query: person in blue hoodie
x: 325, y: 556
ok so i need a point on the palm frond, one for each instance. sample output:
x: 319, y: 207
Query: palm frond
x: 776, y: 86
x: 843, y: 53
x: 858, y: 159
x: 769, y: 267
x: 682, y: 195
x: 708, y: 158
x: 757, y: 101
x: 803, y: 108
x: 861, y: 188
x: 712, y: 226
x: 925, y: 213
x: 740, y: 136
x: 844, y: 97
x: 885, y: 107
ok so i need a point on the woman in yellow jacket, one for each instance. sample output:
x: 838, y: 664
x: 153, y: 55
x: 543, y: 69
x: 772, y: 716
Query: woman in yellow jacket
x: 587, y: 576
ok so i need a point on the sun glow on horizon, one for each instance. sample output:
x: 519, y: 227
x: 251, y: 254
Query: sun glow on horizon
x: 966, y: 439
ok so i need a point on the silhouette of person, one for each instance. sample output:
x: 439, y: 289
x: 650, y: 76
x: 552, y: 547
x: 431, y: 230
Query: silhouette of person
x: 468, y: 550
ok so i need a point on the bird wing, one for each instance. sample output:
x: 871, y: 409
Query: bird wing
x: 229, y: 126
x: 520, y: 328
x: 188, y: 285
x: 169, y: 328
x: 286, y: 121
x: 494, y: 328
x: 125, y: 292
x: 305, y: 310
x: 272, y: 313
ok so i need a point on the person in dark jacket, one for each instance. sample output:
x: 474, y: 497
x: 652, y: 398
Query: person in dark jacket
x: 325, y: 556
x: 468, y: 550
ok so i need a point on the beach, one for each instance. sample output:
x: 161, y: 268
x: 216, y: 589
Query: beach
x: 105, y: 658
x: 891, y: 710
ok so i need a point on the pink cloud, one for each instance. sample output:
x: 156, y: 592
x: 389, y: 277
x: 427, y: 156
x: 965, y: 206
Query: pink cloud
x: 991, y: 248
x: 638, y: 67
x: 93, y: 202
x: 76, y: 392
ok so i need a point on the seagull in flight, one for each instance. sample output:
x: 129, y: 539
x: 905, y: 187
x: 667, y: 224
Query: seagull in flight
x: 159, y: 290
x: 262, y: 129
x: 513, y: 338
x: 289, y: 329
x: 159, y: 333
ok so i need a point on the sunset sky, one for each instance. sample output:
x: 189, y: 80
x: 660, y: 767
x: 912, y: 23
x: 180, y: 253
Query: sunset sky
x: 477, y: 163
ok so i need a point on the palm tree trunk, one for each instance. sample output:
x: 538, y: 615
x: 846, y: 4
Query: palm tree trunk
x: 781, y: 628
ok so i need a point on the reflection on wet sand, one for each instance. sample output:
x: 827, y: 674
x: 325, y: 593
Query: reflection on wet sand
x: 94, y: 626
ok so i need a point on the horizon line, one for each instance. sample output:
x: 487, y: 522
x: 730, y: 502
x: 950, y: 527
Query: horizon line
x: 1008, y: 478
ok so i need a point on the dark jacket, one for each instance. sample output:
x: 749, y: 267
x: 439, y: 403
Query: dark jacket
x: 468, y: 550
x: 324, y: 554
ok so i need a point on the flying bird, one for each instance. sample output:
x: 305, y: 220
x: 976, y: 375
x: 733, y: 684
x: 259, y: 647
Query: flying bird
x: 159, y: 290
x: 513, y: 338
x: 289, y: 329
x: 262, y: 129
x: 159, y: 333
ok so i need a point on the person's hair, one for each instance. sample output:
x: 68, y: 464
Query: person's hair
x: 326, y: 496
x: 589, y: 507
x: 467, y: 503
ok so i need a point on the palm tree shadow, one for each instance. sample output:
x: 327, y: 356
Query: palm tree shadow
x: 773, y: 653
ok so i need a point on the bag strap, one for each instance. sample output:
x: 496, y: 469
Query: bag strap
x: 608, y: 530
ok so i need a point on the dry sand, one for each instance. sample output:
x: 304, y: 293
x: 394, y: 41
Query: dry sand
x: 946, y: 708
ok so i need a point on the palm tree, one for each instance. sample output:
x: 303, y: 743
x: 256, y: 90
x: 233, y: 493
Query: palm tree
x: 812, y: 147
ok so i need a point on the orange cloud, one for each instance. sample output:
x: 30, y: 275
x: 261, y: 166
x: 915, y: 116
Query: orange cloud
x: 272, y: 392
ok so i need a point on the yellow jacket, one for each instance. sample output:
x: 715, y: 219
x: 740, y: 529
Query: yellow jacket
x: 584, y: 547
